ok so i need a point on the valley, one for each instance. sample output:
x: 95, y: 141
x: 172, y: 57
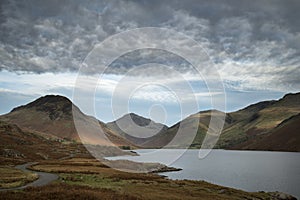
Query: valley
x: 43, y: 131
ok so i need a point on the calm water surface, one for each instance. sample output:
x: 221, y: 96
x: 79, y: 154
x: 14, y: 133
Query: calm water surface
x: 247, y: 170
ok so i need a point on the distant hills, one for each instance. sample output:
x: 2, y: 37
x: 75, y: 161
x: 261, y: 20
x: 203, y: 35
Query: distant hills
x: 141, y: 129
x: 269, y: 125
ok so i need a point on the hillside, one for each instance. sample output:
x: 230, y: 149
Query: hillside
x: 257, y: 120
x: 248, y: 128
x: 285, y: 137
x: 52, y: 115
x: 20, y: 146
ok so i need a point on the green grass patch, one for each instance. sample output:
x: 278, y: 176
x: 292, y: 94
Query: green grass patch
x: 93, y: 180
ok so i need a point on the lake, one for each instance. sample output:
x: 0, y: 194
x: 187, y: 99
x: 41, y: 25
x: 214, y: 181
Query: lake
x: 246, y: 170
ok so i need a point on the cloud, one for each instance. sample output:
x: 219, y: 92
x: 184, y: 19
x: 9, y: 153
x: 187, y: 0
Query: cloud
x: 35, y: 85
x: 253, y: 45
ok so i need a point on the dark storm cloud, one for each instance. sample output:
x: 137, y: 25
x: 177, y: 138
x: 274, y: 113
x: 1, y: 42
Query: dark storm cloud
x: 259, y: 37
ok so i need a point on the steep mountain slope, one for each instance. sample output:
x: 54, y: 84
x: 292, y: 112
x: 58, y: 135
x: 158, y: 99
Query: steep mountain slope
x: 52, y: 115
x: 285, y: 137
x: 242, y: 129
x: 258, y: 119
x: 137, y: 129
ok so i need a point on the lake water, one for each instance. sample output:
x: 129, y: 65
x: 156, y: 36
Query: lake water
x: 246, y: 170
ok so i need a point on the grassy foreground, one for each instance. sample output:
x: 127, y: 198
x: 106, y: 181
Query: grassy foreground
x: 88, y: 179
x: 11, y: 177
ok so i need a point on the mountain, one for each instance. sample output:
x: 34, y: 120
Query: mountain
x: 178, y: 136
x: 267, y: 125
x: 52, y: 115
x: 257, y: 120
x: 137, y: 129
x: 248, y: 128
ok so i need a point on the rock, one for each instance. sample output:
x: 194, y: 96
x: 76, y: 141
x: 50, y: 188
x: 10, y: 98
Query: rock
x: 282, y: 196
x: 222, y: 191
x: 165, y: 169
x: 45, y: 157
x: 12, y: 153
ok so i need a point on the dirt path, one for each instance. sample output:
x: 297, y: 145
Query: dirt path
x: 44, y: 178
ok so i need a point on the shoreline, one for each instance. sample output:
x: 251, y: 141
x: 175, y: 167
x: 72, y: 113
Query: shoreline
x: 164, y: 172
x: 101, y: 175
x: 242, y: 150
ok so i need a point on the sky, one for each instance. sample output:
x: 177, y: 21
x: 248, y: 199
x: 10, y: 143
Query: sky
x: 252, y: 46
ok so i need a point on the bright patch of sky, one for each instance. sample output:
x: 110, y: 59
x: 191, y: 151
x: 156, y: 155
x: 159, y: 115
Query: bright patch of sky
x: 155, y: 101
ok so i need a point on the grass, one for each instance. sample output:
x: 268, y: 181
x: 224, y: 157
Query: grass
x: 10, y: 177
x: 93, y: 178
x: 157, y: 188
x: 83, y: 178
x: 77, y: 165
x: 65, y: 192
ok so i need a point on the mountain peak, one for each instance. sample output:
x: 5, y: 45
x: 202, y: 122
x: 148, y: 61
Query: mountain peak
x: 137, y: 119
x: 46, y: 99
x: 210, y: 111
x: 50, y: 99
x: 291, y: 97
x: 134, y: 115
x: 57, y: 106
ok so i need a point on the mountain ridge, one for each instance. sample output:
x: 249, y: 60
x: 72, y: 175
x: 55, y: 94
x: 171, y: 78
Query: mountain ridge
x: 53, y: 114
x: 241, y: 127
